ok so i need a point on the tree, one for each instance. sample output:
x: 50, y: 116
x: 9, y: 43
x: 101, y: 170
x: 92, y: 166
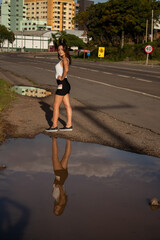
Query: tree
x: 74, y: 41
x: 6, y: 35
x: 108, y: 22
x: 11, y: 37
x: 69, y: 39
x: 3, y: 35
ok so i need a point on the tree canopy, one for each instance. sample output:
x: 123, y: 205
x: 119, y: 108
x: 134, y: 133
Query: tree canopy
x: 105, y: 22
x: 69, y: 39
x: 6, y: 35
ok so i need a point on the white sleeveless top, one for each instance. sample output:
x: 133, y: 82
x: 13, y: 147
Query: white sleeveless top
x: 59, y: 70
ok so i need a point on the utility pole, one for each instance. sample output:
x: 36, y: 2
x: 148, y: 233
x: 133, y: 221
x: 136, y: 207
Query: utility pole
x: 146, y: 30
x: 152, y: 27
x: 122, y: 41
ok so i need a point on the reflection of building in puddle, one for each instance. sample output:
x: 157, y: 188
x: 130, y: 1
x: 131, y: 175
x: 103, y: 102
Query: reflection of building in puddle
x: 61, y: 174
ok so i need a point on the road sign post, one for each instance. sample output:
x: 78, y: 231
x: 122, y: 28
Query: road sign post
x: 148, y: 49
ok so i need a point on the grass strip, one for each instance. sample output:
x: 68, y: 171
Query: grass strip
x: 6, y: 97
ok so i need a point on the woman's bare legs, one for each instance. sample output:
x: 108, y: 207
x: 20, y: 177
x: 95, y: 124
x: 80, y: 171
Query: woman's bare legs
x: 57, y: 165
x: 55, y: 160
x: 66, y: 102
x: 64, y: 161
x: 57, y: 102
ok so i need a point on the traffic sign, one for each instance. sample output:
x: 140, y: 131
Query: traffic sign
x: 101, y: 52
x: 88, y: 53
x: 148, y: 49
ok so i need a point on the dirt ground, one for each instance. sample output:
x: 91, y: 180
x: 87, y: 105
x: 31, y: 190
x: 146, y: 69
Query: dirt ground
x: 28, y: 116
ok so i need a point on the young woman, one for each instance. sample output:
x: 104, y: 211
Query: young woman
x: 63, y: 89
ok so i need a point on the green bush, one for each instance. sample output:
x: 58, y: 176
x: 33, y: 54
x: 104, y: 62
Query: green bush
x: 134, y: 52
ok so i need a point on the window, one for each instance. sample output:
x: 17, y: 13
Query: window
x: 25, y: 23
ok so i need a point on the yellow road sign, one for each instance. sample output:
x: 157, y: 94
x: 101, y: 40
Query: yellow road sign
x: 101, y: 51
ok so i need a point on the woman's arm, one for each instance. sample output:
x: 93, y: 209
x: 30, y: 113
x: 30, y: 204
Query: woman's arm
x: 65, y: 68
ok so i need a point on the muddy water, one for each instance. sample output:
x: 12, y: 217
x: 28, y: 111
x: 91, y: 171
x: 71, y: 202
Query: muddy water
x: 97, y: 191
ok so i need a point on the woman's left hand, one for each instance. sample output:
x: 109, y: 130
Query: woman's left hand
x: 59, y: 78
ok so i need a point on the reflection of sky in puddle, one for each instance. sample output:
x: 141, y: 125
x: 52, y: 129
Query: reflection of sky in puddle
x: 107, y: 192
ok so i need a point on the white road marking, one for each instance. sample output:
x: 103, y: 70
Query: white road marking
x: 131, y: 69
x: 45, y: 69
x: 121, y: 88
x: 83, y: 68
x: 108, y: 73
x: 93, y: 70
x: 143, y: 80
x: 138, y: 79
x: 119, y: 75
x: 123, y: 76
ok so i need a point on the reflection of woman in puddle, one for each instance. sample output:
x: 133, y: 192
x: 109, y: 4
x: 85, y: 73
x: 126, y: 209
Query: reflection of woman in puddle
x: 61, y: 174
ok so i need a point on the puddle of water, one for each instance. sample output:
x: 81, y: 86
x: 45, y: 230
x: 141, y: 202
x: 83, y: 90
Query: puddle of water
x: 31, y: 91
x: 104, y: 196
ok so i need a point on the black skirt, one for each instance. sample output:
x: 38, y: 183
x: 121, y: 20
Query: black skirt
x: 63, y: 87
x: 62, y: 174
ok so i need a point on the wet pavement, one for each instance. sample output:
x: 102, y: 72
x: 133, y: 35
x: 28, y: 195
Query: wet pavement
x: 57, y: 189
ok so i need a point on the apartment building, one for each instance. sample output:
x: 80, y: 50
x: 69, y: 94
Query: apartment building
x: 5, y: 12
x: 36, y: 9
x: 17, y: 14
x: 12, y: 14
x: 15, y: 17
x: 58, y: 14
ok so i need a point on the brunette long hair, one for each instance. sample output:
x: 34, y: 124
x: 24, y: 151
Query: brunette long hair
x: 66, y: 50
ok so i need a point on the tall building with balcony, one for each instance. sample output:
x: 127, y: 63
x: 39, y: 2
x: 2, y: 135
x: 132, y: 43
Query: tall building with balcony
x: 17, y: 14
x: 5, y: 13
x: 13, y: 12
x: 58, y: 14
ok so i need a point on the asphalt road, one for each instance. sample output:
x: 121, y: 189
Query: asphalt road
x: 128, y: 92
